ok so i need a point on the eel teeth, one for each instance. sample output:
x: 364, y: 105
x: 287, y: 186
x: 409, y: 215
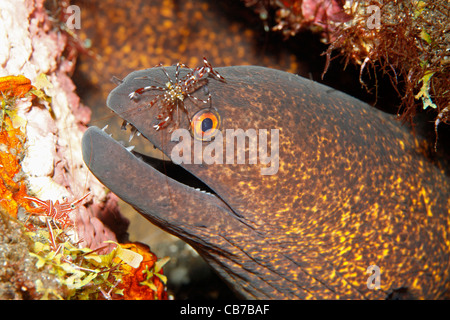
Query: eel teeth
x: 104, y: 128
x: 133, y: 132
x: 203, y: 191
x: 124, y: 125
x: 130, y: 148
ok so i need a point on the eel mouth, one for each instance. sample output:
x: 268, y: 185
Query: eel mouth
x: 164, y: 166
x: 175, y: 172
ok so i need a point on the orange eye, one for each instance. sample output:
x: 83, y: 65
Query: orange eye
x: 205, y: 124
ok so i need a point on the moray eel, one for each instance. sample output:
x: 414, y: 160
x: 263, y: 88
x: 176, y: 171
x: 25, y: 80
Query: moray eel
x: 353, y: 190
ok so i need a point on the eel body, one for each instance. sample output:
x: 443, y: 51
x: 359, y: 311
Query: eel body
x: 352, y: 190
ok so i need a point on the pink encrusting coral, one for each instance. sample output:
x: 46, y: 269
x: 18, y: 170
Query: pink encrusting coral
x: 34, y: 45
x: 292, y: 16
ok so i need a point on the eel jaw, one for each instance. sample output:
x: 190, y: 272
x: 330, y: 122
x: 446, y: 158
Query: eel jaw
x: 164, y: 201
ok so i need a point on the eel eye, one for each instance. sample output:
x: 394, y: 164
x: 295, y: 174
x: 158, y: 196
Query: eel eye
x: 205, y: 124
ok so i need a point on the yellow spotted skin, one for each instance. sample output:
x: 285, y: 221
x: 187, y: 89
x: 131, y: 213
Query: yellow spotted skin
x: 353, y: 190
